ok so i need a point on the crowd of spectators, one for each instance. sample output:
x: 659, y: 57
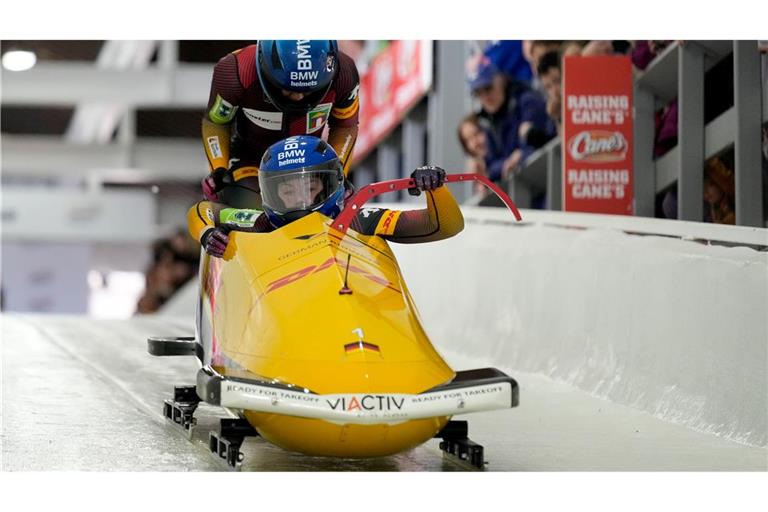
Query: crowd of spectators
x: 174, y: 262
x: 517, y: 86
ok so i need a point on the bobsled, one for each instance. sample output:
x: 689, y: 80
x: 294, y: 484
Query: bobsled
x: 309, y: 335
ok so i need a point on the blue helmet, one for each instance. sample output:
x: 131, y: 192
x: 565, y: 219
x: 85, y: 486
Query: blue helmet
x: 301, y: 65
x: 300, y: 175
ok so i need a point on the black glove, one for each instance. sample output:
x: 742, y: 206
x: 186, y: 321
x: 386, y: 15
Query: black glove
x: 215, y: 241
x: 427, y: 177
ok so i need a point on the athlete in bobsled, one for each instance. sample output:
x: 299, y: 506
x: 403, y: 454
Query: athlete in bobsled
x: 303, y: 174
x: 364, y: 381
x: 265, y: 92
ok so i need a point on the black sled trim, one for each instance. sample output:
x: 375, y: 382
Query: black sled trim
x: 480, y: 376
x: 174, y: 346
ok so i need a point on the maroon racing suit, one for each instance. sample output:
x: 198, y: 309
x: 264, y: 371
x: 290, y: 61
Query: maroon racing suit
x: 241, y: 123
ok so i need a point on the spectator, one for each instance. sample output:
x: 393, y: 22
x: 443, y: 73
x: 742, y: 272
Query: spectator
x: 719, y: 192
x: 474, y: 140
x: 718, y: 197
x: 512, y: 115
x: 643, y: 52
x: 532, y: 51
x: 537, y: 49
x: 550, y: 74
x: 665, y: 134
x: 508, y: 57
x: 569, y: 48
x: 665, y: 119
x: 596, y: 48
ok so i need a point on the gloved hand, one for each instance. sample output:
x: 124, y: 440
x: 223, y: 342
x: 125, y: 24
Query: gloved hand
x: 215, y: 241
x: 427, y: 177
x: 212, y: 183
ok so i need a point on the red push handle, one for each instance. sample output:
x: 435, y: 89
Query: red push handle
x: 362, y: 196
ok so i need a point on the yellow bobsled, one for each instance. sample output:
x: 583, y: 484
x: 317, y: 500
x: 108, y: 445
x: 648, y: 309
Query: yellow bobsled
x: 310, y: 334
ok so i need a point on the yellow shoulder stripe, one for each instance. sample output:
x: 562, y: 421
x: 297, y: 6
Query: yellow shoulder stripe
x: 346, y: 113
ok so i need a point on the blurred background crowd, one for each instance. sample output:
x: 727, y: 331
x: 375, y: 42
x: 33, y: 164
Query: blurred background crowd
x: 517, y: 86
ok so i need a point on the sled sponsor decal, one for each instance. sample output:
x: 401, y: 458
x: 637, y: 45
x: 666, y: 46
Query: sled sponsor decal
x: 317, y: 117
x: 300, y: 250
x: 459, y: 393
x: 367, y: 403
x: 314, y: 269
x: 365, y: 408
x: 266, y: 120
x: 269, y: 392
x: 597, y: 134
x: 222, y: 111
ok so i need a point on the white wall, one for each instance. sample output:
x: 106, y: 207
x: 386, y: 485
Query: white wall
x: 57, y: 214
x: 53, y: 237
x: 45, y: 277
x: 673, y: 327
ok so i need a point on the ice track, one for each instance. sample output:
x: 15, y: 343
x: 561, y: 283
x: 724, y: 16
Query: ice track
x: 80, y: 394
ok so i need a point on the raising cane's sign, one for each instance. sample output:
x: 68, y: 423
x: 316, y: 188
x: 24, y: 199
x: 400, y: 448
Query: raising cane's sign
x: 597, y: 135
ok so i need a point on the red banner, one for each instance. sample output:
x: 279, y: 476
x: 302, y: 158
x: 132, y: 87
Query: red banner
x: 597, y: 135
x: 396, y: 80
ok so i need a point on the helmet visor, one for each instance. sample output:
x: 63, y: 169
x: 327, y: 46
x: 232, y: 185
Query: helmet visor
x: 303, y: 189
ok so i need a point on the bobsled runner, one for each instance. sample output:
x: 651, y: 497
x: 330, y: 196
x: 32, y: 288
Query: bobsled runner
x: 309, y: 335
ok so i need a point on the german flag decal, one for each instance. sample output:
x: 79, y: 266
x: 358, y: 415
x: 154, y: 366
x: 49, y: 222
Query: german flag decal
x: 361, y: 345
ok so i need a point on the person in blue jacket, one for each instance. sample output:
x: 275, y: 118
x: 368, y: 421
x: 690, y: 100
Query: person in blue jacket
x: 514, y: 117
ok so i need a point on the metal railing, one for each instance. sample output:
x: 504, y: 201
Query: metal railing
x: 678, y: 72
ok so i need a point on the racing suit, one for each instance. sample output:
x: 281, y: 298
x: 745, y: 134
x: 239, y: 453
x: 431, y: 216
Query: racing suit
x: 240, y: 123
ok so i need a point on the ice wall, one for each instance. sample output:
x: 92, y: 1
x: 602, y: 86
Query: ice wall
x: 666, y: 324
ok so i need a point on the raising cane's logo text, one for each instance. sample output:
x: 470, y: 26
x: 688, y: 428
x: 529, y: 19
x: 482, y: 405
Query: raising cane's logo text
x: 598, y: 146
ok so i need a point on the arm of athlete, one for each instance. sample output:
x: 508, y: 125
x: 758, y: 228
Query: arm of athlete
x: 440, y: 220
x: 216, y: 128
x: 342, y: 125
x: 210, y: 223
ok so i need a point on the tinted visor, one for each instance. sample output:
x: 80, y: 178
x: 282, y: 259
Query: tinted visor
x: 304, y: 189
